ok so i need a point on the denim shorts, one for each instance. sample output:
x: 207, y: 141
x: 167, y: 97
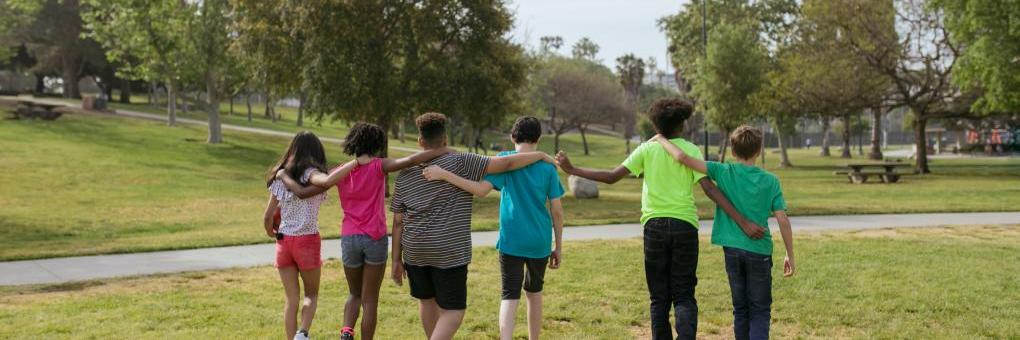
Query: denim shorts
x: 357, y: 250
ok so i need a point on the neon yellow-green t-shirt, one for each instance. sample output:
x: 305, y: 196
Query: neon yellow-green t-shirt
x: 668, y: 186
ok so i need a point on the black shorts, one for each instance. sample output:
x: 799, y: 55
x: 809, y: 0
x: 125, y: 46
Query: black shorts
x: 514, y: 275
x: 448, y: 286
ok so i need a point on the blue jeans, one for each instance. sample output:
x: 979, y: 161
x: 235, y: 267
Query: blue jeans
x: 750, y: 277
x: 671, y: 264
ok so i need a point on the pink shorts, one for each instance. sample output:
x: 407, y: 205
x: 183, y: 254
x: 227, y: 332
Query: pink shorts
x: 301, y: 251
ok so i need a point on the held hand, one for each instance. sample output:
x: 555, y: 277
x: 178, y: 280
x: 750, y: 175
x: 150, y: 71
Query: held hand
x: 753, y: 231
x: 398, y: 273
x: 434, y: 172
x: 564, y: 162
x: 788, y: 268
x: 280, y: 173
x: 555, y: 258
x: 271, y: 233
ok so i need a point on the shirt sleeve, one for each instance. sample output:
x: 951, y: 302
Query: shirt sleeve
x: 474, y: 166
x: 497, y: 180
x: 636, y: 161
x: 714, y: 169
x: 778, y: 202
x: 397, y: 201
x: 555, y: 186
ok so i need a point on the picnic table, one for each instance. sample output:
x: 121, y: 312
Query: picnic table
x: 34, y: 109
x: 859, y: 173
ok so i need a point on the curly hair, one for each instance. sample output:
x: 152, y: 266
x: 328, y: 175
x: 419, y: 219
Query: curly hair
x: 431, y: 126
x: 669, y: 114
x: 526, y: 129
x: 365, y: 139
x: 746, y: 141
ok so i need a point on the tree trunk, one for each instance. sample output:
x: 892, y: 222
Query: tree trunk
x: 171, y: 104
x: 125, y: 91
x: 301, y: 110
x: 40, y: 84
x: 921, y: 141
x: 231, y: 112
x: 556, y: 140
x: 213, y: 108
x: 845, y: 151
x: 784, y: 158
x: 723, y: 144
x: 826, y: 126
x: 69, y: 73
x: 402, y: 127
x: 876, y: 134
x: 152, y: 93
x: 584, y: 138
x: 247, y: 102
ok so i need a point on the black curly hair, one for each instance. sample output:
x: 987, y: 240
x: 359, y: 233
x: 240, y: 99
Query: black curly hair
x: 365, y: 139
x: 431, y: 127
x: 526, y: 129
x: 669, y: 114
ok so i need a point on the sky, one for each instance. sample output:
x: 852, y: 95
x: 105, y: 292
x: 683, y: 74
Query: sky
x: 617, y: 26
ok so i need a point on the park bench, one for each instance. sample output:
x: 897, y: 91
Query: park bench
x: 32, y: 109
x: 859, y: 173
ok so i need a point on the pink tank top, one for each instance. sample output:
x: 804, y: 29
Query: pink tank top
x: 362, y: 196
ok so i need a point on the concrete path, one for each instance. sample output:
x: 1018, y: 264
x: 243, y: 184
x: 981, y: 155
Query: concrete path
x: 68, y: 269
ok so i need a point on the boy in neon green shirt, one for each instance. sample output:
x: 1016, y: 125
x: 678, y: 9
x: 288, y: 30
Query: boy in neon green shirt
x: 756, y: 193
x: 669, y: 216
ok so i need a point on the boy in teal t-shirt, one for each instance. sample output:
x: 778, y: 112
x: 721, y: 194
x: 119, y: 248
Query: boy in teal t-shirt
x: 756, y: 193
x: 530, y: 213
x: 669, y: 218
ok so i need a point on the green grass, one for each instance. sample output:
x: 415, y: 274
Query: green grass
x: 942, y: 283
x: 95, y: 184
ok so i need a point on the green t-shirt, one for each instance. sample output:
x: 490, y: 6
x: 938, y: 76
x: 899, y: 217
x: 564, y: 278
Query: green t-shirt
x: 667, y: 190
x: 755, y: 193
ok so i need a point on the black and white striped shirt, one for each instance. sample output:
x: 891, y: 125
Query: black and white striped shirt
x: 437, y: 214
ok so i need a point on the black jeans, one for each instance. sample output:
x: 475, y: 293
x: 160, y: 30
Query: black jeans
x: 671, y: 264
x: 751, y: 286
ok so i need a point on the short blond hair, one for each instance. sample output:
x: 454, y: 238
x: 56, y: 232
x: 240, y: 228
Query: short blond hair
x: 746, y: 141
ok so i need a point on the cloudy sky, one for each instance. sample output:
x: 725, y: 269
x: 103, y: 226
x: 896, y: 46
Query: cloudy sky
x: 618, y: 26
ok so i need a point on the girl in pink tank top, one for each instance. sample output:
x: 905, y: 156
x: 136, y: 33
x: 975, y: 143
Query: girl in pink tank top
x: 361, y: 184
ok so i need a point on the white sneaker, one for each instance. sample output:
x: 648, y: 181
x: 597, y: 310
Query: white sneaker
x: 300, y: 336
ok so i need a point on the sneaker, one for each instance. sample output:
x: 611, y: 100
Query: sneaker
x: 301, y: 335
x: 347, y: 333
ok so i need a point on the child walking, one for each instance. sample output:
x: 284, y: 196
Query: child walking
x: 530, y: 212
x: 297, y: 237
x: 361, y: 184
x: 669, y: 217
x: 756, y: 193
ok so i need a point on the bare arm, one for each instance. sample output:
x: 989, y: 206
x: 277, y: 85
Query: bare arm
x: 515, y: 161
x: 477, y: 188
x: 604, y: 176
x: 267, y: 216
x: 391, y: 165
x: 786, y: 229
x: 334, y: 177
x: 752, y: 230
x: 556, y: 209
x: 301, y: 191
x: 397, y: 272
x: 680, y: 156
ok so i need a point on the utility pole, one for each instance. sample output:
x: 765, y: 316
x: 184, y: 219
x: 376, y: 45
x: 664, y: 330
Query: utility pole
x: 704, y: 43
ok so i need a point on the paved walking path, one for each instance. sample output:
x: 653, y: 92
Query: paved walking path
x: 58, y: 270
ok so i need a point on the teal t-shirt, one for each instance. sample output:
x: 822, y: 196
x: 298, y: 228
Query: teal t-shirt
x: 755, y: 193
x: 525, y: 227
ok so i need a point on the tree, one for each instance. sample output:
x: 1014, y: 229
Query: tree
x: 147, y: 38
x: 631, y: 71
x: 988, y: 63
x: 917, y: 58
x: 583, y: 93
x: 210, y: 36
x: 585, y: 49
x: 551, y: 44
x: 272, y: 44
x: 732, y: 71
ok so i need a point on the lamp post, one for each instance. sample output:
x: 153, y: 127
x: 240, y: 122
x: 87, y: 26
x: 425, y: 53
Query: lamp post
x: 704, y: 43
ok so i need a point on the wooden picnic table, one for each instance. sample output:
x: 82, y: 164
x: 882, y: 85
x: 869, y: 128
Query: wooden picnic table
x: 859, y: 173
x: 34, y: 109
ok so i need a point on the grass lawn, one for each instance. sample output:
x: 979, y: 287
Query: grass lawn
x: 947, y: 283
x: 91, y: 184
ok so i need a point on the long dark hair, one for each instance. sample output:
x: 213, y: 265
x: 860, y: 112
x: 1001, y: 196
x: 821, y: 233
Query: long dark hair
x: 365, y: 139
x: 308, y: 153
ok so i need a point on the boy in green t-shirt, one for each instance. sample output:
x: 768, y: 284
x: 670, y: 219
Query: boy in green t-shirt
x: 669, y: 216
x: 756, y: 193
